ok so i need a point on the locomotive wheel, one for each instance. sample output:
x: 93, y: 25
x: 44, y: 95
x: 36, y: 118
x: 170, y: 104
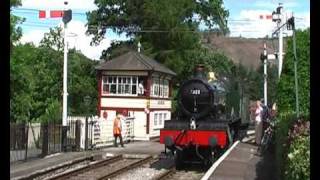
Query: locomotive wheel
x: 209, y: 158
x: 178, y: 159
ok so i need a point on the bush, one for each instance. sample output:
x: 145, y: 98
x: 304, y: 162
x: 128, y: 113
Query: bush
x: 281, y: 139
x: 298, y: 159
x: 293, y: 147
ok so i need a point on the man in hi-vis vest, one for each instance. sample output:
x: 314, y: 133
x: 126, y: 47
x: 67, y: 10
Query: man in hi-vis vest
x: 117, y: 129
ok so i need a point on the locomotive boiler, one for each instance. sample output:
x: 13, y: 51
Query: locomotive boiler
x: 203, y: 129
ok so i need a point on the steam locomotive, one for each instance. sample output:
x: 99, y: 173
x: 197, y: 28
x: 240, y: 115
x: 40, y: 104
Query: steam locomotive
x: 203, y: 128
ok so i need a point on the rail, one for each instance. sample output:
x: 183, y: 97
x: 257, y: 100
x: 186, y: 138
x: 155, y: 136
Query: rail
x: 67, y: 174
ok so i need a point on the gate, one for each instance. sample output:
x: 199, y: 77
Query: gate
x: 25, y: 141
x: 51, y: 134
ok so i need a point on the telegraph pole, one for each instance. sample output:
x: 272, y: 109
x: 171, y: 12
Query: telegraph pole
x: 278, y: 17
x: 291, y: 25
x: 67, y: 16
x: 265, y: 74
x: 280, y: 56
x: 264, y: 59
x: 65, y: 74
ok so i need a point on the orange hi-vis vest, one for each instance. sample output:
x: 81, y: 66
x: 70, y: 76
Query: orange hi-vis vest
x: 116, y: 126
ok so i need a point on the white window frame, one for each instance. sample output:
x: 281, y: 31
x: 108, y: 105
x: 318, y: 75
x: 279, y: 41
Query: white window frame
x: 165, y: 88
x: 105, y: 81
x: 160, y: 119
x: 164, y: 116
x: 155, y: 119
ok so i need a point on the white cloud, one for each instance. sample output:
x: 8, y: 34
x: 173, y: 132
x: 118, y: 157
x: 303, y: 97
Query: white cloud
x: 34, y: 36
x: 274, y: 4
x: 59, y: 4
x: 82, y: 41
x: 76, y: 38
x: 254, y: 27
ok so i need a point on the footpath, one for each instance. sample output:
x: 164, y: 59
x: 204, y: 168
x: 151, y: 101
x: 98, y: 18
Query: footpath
x: 242, y: 162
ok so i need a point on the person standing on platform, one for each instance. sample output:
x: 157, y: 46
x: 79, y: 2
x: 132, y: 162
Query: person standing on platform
x: 117, y: 130
x: 258, y: 122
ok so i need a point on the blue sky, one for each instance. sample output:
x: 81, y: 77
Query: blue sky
x: 243, y: 20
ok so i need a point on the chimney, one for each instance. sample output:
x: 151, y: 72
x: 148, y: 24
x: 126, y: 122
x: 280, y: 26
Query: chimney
x: 199, y: 72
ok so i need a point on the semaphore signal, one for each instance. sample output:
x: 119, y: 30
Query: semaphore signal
x: 50, y: 14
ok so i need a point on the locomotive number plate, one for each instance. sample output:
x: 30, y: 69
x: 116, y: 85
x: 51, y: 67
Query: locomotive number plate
x: 195, y: 91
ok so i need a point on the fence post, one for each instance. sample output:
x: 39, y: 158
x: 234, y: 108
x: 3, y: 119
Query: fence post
x: 64, y: 138
x: 44, y: 130
x: 86, y: 134
x: 26, y: 142
x: 78, y: 134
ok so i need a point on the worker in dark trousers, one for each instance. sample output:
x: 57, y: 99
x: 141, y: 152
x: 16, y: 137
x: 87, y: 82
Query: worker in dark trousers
x: 117, y: 130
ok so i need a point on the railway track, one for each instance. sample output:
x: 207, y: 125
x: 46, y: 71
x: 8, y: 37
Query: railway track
x: 104, y: 169
x: 43, y: 174
x: 174, y: 174
x: 120, y: 167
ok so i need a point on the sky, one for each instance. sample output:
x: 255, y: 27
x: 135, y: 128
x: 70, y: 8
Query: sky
x: 244, y: 20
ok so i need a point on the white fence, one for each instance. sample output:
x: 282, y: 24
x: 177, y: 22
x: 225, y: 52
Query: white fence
x: 101, y: 131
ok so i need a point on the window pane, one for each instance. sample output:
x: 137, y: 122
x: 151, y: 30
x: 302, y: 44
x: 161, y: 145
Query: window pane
x: 119, y: 80
x: 160, y: 118
x: 124, y: 80
x: 114, y: 79
x: 110, y: 79
x: 122, y: 89
x: 155, y: 119
x: 119, y: 88
x: 127, y: 89
x: 134, y: 80
x: 165, y: 116
x: 106, y: 88
x: 113, y: 89
x: 134, y: 89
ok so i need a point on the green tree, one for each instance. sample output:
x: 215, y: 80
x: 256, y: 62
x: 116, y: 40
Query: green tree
x: 167, y: 29
x: 15, y: 30
x: 36, y: 81
x: 53, y: 39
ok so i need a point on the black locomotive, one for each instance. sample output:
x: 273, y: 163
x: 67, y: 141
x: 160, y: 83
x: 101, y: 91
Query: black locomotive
x: 203, y: 128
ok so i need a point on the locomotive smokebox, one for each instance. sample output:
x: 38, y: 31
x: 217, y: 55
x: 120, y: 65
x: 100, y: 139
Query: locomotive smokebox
x: 199, y: 72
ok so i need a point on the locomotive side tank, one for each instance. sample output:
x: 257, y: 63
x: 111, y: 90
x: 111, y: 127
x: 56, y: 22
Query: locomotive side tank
x: 200, y: 132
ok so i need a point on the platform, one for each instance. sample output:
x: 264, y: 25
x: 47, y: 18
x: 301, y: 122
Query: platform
x: 244, y: 163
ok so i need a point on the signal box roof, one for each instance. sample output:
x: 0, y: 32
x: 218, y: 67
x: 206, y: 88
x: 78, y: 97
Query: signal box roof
x: 134, y: 61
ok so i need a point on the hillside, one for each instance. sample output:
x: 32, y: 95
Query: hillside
x: 241, y: 50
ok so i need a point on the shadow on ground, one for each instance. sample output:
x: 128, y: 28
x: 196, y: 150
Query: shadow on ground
x: 266, y: 168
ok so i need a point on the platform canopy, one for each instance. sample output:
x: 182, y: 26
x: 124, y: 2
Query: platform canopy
x: 134, y: 61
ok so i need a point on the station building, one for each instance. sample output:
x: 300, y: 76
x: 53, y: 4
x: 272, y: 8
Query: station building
x: 138, y: 87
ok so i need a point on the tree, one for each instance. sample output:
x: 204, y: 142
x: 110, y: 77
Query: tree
x: 53, y: 39
x: 36, y: 81
x: 130, y: 16
x: 15, y: 30
x: 167, y: 29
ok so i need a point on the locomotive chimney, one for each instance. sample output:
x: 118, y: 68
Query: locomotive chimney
x: 199, y: 72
